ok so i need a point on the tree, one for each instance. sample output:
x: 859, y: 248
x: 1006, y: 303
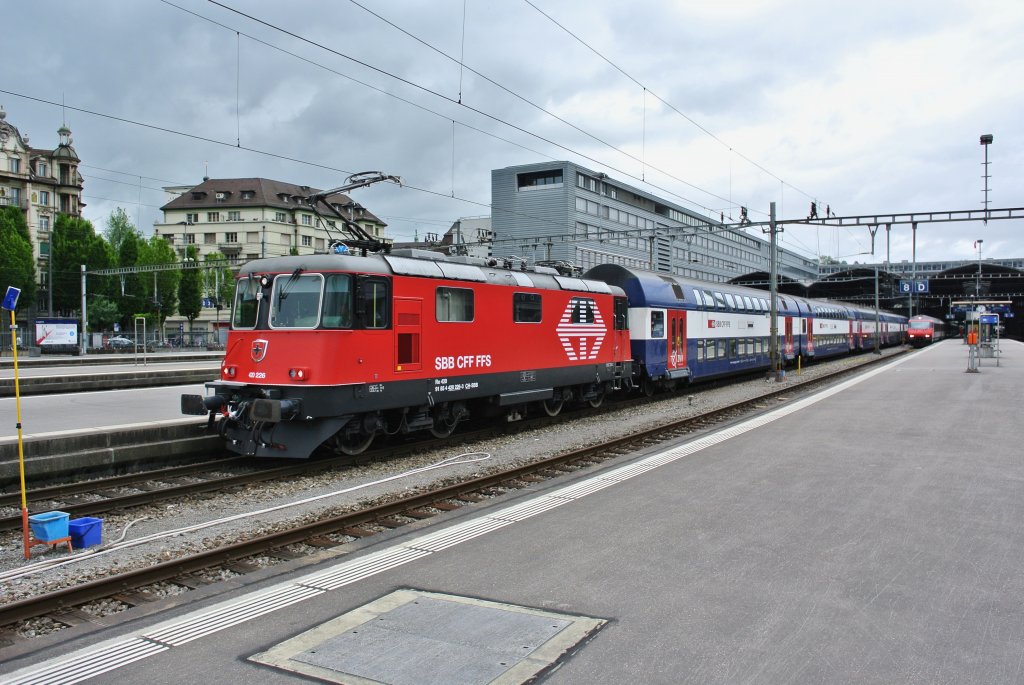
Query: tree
x: 190, y: 295
x: 132, y: 299
x: 17, y: 265
x: 220, y: 281
x: 102, y: 312
x: 75, y: 243
x: 120, y: 229
x: 163, y: 300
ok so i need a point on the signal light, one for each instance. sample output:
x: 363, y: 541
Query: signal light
x: 298, y: 374
x: 229, y: 371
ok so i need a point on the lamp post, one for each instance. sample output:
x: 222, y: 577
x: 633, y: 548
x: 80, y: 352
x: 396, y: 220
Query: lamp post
x: 986, y: 140
x: 977, y: 287
x: 184, y: 233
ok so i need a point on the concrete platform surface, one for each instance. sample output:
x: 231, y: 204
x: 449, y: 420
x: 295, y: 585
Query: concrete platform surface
x: 870, y: 533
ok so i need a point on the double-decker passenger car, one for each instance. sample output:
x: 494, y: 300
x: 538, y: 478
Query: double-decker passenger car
x: 683, y: 329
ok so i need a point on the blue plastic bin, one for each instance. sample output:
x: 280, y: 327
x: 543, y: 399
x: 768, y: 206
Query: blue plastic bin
x: 50, y: 525
x: 85, y: 532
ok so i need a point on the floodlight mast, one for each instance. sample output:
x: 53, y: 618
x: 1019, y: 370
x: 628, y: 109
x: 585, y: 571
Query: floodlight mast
x: 363, y: 241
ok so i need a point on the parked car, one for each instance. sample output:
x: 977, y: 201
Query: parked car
x: 120, y: 342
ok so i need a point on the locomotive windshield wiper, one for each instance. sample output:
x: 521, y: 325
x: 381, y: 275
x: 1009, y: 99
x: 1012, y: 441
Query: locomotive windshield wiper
x: 291, y: 279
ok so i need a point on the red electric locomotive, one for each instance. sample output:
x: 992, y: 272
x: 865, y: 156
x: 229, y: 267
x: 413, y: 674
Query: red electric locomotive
x: 924, y: 330
x: 339, y: 348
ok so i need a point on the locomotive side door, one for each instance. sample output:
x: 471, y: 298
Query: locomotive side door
x: 407, y: 333
x: 676, y: 339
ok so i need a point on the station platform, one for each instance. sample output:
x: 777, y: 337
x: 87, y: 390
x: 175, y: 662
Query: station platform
x: 107, y: 372
x: 870, y: 532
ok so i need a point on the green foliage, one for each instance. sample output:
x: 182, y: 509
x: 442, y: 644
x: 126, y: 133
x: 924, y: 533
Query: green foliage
x: 219, y: 281
x: 132, y: 294
x: 190, y: 295
x: 119, y: 230
x: 75, y: 243
x: 17, y: 265
x: 164, y: 299
x: 103, y: 312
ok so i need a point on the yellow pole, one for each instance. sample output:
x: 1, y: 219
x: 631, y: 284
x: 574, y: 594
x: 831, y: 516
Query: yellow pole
x: 21, y: 449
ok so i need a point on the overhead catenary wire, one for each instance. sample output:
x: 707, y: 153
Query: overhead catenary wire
x: 479, y: 111
x: 662, y: 100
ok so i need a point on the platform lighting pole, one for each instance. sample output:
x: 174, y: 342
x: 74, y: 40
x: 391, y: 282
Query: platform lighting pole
x: 986, y: 140
x: 878, y: 349
x: 913, y: 271
x: 85, y: 317
x: 977, y: 287
x: 773, y: 288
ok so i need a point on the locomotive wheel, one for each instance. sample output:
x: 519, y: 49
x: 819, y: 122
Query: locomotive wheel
x: 553, y: 407
x: 442, y: 428
x: 355, y: 444
x: 647, y: 387
x: 596, y: 401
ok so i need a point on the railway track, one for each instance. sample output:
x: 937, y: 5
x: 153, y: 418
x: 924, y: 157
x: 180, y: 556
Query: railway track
x: 131, y: 589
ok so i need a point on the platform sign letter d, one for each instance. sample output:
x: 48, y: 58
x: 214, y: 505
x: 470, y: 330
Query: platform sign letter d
x: 11, y: 298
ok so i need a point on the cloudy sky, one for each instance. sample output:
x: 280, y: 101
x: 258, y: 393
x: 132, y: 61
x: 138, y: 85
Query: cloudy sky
x: 868, y: 107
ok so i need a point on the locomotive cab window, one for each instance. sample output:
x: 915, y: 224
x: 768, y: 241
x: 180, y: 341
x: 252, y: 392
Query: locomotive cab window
x: 454, y: 304
x: 338, y: 301
x: 373, y: 304
x: 526, y: 307
x: 247, y: 303
x: 295, y: 301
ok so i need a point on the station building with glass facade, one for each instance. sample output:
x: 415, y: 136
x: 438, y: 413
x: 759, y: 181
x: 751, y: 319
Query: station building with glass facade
x: 562, y: 212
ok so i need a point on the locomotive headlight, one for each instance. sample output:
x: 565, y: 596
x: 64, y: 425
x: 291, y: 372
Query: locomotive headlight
x: 298, y: 374
x: 229, y: 371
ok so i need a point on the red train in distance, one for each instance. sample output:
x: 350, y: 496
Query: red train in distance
x: 924, y: 330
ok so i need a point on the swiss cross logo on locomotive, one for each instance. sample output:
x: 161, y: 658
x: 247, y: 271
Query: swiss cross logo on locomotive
x: 259, y: 349
x: 581, y: 329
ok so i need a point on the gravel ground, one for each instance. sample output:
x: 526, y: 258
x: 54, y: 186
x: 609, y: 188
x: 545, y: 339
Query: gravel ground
x: 354, y: 487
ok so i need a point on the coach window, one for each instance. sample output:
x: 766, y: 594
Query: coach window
x: 709, y: 299
x: 730, y: 301
x: 526, y: 308
x: 338, y: 301
x: 719, y: 300
x: 373, y: 303
x: 454, y: 304
x: 657, y: 325
x: 247, y: 303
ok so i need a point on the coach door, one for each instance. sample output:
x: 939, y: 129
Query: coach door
x: 407, y: 334
x: 789, y: 335
x: 676, y: 339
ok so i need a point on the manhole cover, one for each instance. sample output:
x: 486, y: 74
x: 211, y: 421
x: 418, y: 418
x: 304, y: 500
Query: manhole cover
x: 410, y: 637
